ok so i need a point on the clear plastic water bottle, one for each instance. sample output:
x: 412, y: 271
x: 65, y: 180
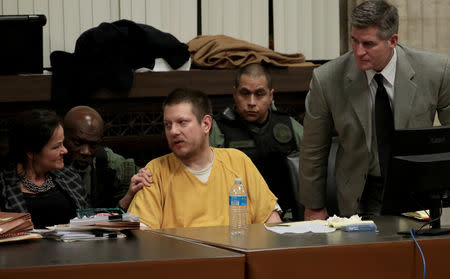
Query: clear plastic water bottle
x: 238, y: 208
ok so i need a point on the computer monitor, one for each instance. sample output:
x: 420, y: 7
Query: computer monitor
x: 418, y: 176
x: 21, y: 50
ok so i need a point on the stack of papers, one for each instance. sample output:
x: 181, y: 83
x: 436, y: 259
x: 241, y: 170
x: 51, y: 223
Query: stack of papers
x: 67, y: 233
x: 16, y: 226
x: 316, y: 226
x: 125, y: 221
x: 422, y: 215
x: 354, y: 223
x: 94, y: 227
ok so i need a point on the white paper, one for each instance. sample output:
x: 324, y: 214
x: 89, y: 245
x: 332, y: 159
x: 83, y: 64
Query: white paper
x: 317, y: 226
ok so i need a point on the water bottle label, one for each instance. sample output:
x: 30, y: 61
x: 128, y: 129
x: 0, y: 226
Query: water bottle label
x: 238, y: 200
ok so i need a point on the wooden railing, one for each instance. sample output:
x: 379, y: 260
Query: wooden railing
x: 133, y: 120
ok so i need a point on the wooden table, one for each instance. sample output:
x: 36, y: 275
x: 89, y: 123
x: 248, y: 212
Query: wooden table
x: 140, y: 255
x: 381, y: 254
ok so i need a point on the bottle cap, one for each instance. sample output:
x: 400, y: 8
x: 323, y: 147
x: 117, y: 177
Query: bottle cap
x: 238, y: 180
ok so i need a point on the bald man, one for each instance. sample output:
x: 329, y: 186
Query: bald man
x: 106, y: 175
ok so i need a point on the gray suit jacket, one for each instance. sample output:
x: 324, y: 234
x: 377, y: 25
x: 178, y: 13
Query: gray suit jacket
x: 339, y: 98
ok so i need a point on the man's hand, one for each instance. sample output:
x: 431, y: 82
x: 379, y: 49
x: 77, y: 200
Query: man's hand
x: 316, y: 214
x: 138, y: 181
x: 274, y: 218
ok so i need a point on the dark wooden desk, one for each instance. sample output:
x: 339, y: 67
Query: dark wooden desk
x: 141, y: 255
x: 382, y: 254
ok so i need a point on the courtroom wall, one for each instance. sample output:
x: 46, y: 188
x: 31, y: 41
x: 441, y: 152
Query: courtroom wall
x: 306, y: 26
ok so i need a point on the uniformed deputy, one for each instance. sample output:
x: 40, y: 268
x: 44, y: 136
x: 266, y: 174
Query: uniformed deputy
x: 254, y: 126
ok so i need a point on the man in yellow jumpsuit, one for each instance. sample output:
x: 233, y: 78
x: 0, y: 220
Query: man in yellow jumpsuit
x: 191, y: 185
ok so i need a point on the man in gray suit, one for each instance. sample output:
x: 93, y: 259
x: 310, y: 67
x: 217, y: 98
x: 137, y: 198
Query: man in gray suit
x: 342, y: 98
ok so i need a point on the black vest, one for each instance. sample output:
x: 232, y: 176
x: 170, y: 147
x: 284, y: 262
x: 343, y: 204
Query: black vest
x: 267, y: 147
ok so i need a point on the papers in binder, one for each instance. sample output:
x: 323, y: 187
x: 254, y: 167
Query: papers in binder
x: 67, y: 233
x: 125, y: 221
x: 16, y: 226
x: 94, y: 227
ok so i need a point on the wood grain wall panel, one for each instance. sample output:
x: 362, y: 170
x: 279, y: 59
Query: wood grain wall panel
x: 188, y: 21
x: 101, y: 11
x: 304, y: 35
x: 25, y: 6
x: 259, y: 22
x: 212, y: 17
x: 330, y: 30
x: 55, y: 23
x: 403, y: 18
x: 246, y: 19
x: 231, y: 24
x: 442, y: 26
x: 114, y: 10
x: 310, y: 27
x: 67, y: 19
x: 10, y: 7
x: 138, y: 8
x: 178, y: 17
x: 41, y: 7
x: 71, y: 15
x: 86, y: 20
x: 154, y: 15
x: 125, y: 9
x: 320, y: 31
x: 307, y: 26
x: 429, y: 31
x: 414, y: 16
x: 171, y: 11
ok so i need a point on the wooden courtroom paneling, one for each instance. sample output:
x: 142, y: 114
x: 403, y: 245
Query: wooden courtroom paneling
x: 178, y: 17
x: 133, y: 120
x: 247, y: 20
x: 310, y: 27
x: 31, y: 88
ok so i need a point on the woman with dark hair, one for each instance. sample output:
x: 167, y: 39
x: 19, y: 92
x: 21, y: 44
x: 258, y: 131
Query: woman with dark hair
x: 35, y: 179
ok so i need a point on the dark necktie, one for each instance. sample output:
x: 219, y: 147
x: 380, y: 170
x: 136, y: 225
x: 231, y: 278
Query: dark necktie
x: 384, y: 124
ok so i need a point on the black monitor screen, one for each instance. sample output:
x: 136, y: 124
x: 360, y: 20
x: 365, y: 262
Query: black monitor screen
x: 419, y: 171
x: 21, y: 50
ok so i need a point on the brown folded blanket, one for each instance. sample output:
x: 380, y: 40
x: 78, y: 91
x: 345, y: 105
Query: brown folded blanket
x: 224, y: 52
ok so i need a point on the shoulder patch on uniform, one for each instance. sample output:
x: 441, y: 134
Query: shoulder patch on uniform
x: 228, y: 113
x: 282, y: 133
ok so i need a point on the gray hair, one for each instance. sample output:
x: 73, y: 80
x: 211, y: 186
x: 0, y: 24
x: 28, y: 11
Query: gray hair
x: 376, y: 13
